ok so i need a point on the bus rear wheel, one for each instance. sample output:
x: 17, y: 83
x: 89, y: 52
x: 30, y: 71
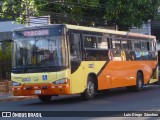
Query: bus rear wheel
x: 45, y: 98
x: 139, y: 82
x: 89, y: 93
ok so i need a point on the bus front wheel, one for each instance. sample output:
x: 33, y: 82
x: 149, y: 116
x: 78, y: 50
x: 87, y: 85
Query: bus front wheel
x: 90, y: 90
x: 44, y: 98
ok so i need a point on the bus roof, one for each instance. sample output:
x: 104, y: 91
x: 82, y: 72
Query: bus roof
x: 76, y: 27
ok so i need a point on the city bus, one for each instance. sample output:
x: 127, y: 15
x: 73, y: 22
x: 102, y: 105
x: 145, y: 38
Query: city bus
x: 63, y: 59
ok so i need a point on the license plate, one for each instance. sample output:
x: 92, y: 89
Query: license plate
x: 37, y: 91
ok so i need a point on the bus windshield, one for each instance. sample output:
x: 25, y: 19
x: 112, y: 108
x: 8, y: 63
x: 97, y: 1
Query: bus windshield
x: 39, y: 52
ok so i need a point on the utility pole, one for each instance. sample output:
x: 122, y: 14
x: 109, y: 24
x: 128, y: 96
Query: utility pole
x: 27, y: 13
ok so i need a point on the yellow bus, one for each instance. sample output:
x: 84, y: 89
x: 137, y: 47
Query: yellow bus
x: 62, y: 59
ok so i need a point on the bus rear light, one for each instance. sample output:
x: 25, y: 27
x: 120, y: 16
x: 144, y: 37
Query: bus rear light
x: 61, y: 81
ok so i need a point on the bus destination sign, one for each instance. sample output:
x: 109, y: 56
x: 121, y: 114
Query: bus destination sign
x: 36, y: 33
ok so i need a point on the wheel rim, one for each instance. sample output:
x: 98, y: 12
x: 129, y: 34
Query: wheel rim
x: 90, y: 88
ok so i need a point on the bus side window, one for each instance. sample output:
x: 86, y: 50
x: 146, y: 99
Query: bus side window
x: 90, y: 41
x: 125, y: 45
x: 144, y: 46
x: 75, y: 46
x: 154, y: 46
x: 137, y: 45
x: 116, y: 44
x: 148, y: 47
x: 129, y: 43
x: 102, y: 43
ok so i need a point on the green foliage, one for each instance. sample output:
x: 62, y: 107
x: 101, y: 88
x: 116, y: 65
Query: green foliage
x: 18, y: 9
x: 131, y: 12
x: 126, y: 13
x: 5, y: 58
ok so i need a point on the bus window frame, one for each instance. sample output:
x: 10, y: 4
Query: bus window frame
x: 116, y: 39
x: 137, y: 41
x: 83, y: 39
x: 147, y: 47
x: 79, y: 45
x: 106, y: 40
x: 129, y: 44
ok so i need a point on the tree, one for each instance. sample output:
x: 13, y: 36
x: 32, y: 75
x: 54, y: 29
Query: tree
x: 129, y: 13
x: 124, y: 13
x: 5, y: 59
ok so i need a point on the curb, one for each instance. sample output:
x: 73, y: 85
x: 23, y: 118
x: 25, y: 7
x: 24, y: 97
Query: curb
x: 16, y: 98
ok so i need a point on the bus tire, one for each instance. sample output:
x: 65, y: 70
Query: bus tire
x: 89, y: 92
x: 139, y: 82
x: 45, y: 98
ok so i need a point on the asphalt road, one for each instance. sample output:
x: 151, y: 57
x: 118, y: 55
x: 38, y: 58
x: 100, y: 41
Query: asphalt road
x: 116, y: 100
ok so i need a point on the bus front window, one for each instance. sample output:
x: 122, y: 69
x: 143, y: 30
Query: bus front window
x: 39, y: 51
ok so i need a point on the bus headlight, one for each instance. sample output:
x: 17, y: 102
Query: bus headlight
x: 16, y: 84
x: 61, y: 81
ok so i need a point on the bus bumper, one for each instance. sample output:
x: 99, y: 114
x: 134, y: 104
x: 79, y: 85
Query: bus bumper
x: 41, y: 89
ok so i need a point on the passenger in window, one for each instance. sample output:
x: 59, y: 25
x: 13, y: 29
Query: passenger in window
x: 123, y: 55
x: 128, y: 55
x: 110, y: 55
x: 132, y: 55
x: 117, y: 54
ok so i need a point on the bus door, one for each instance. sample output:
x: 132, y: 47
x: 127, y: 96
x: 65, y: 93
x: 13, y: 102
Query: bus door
x: 75, y: 62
